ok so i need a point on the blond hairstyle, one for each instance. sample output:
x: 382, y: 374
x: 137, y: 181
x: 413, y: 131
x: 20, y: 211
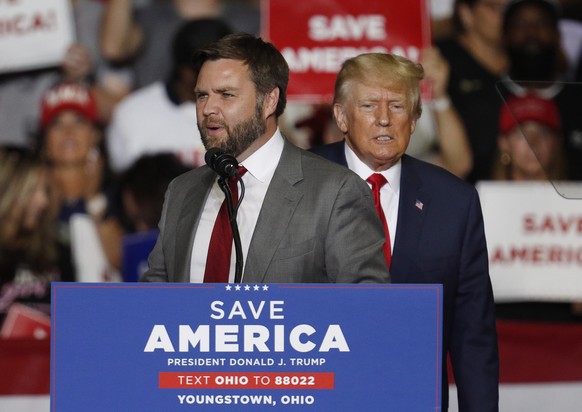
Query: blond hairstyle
x: 391, y: 67
x: 20, y: 174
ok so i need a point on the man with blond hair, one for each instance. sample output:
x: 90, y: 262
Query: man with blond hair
x: 432, y: 220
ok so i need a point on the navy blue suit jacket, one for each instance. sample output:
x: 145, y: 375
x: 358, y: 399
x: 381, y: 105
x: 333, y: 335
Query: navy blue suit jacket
x: 440, y: 239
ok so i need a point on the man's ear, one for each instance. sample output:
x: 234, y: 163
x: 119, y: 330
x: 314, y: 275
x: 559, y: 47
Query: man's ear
x: 270, y: 102
x: 340, y: 117
x: 413, y: 126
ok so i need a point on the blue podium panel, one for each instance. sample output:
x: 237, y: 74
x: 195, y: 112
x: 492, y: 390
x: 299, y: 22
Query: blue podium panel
x: 136, y: 247
x: 245, y: 347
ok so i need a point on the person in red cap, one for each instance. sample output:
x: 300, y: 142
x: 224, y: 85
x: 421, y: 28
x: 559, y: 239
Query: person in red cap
x: 68, y: 96
x: 70, y: 141
x: 530, y: 140
x: 532, y: 40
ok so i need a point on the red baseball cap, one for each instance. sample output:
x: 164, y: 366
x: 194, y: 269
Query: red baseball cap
x: 68, y: 96
x: 520, y: 109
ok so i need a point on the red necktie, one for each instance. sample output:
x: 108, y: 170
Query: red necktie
x: 220, y: 248
x: 377, y: 181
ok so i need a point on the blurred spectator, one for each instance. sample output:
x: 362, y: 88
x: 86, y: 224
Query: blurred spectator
x: 108, y: 83
x: 477, y: 60
x: 532, y: 41
x: 27, y: 243
x: 143, y: 35
x: 71, y: 142
x: 530, y: 141
x: 21, y: 92
x: 537, y: 65
x: 439, y: 136
x: 143, y: 187
x: 161, y: 117
x: 530, y: 149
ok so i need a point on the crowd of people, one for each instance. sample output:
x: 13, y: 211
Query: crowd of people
x: 100, y: 137
x: 111, y: 135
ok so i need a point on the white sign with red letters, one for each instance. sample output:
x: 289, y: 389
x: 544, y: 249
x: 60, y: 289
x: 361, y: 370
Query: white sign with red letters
x: 34, y: 33
x: 534, y: 240
x: 316, y: 37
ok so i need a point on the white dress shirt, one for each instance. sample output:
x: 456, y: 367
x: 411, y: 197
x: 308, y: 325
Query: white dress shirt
x: 260, y: 167
x: 389, y: 193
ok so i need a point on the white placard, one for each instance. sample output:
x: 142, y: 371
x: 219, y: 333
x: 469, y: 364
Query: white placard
x: 34, y: 33
x: 534, y: 240
x: 88, y: 253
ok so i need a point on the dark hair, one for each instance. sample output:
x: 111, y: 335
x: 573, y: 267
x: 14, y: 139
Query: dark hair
x: 147, y: 180
x: 551, y: 8
x: 195, y: 34
x: 267, y: 66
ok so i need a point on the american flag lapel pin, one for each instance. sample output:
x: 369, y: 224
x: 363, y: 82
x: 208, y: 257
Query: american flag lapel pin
x: 418, y: 204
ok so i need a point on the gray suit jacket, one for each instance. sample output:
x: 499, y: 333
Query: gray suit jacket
x: 317, y: 224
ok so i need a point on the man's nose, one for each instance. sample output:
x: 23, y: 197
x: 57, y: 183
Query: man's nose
x: 384, y: 116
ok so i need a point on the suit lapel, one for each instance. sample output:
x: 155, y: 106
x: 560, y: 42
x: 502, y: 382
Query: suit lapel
x: 278, y: 207
x: 412, y: 209
x: 191, y: 210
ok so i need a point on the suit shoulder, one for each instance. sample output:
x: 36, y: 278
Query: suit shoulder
x: 187, y: 178
x: 331, y: 151
x: 315, y: 170
x: 437, y: 176
x: 319, y: 164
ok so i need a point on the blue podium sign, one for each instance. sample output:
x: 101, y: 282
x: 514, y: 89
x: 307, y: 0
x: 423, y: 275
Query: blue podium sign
x: 245, y: 347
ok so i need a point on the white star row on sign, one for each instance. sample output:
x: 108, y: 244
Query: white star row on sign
x: 238, y: 287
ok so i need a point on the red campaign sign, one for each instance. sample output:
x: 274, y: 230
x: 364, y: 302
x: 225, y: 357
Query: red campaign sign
x: 246, y: 380
x: 317, y: 36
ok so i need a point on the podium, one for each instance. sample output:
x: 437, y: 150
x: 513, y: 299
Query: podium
x: 246, y: 347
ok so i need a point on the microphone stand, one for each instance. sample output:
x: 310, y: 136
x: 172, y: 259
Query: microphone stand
x: 232, y: 212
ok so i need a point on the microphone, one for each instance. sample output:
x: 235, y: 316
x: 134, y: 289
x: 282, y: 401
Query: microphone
x: 221, y: 162
x: 226, y: 165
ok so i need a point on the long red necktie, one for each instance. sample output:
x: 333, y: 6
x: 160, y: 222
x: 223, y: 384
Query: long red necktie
x: 377, y: 181
x: 220, y: 248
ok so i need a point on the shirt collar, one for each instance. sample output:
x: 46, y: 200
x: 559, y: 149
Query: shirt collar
x: 392, y: 174
x: 262, y: 163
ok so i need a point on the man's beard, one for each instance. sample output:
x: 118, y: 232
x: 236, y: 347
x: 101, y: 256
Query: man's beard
x: 241, y: 136
x: 527, y: 66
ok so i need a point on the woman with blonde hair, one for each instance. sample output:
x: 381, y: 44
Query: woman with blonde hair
x: 27, y: 245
